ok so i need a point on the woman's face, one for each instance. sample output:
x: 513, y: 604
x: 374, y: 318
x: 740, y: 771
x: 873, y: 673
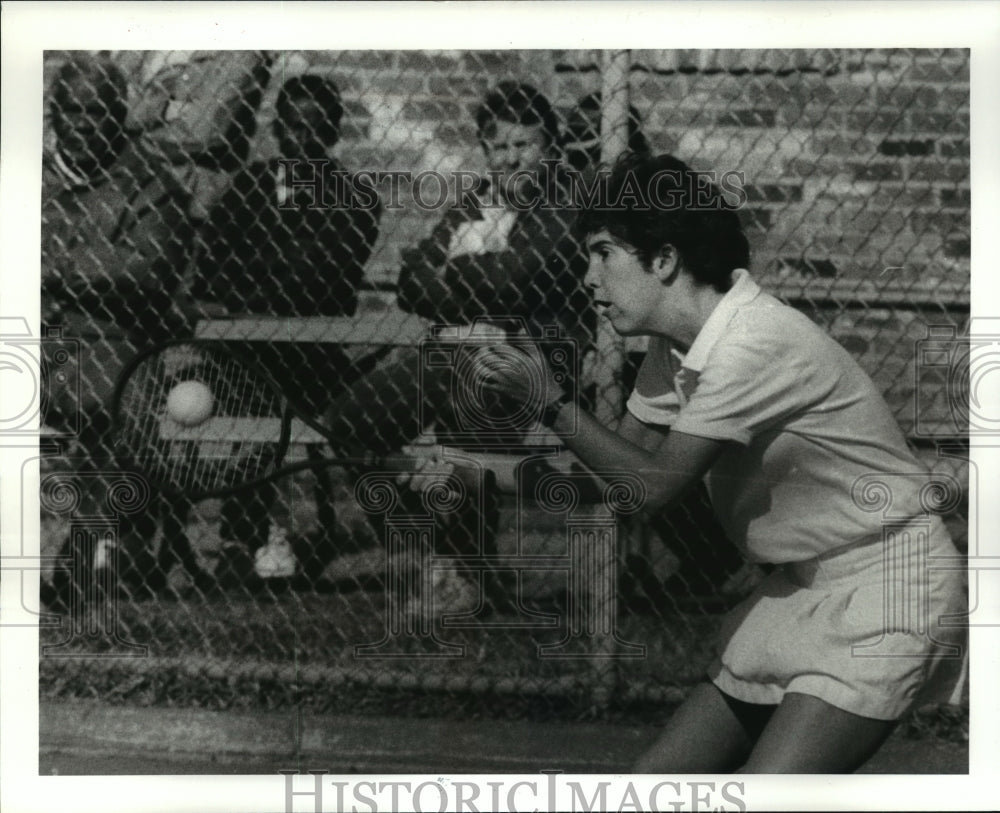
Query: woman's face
x: 625, y: 291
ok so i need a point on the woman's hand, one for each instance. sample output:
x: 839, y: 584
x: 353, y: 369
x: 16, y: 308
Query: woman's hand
x: 517, y: 372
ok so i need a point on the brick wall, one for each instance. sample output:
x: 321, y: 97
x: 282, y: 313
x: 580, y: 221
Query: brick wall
x: 855, y: 161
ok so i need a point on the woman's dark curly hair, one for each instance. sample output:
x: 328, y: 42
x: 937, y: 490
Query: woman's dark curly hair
x: 649, y: 202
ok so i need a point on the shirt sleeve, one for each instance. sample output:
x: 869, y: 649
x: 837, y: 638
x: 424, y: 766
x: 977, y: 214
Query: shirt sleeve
x: 752, y: 382
x: 654, y: 399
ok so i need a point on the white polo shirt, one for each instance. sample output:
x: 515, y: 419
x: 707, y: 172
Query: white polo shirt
x: 806, y: 421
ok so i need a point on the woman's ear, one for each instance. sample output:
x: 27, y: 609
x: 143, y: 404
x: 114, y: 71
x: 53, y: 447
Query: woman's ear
x: 667, y: 264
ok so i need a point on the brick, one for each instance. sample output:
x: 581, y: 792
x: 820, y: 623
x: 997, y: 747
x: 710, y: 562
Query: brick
x: 869, y: 222
x: 922, y: 96
x: 958, y: 248
x: 844, y: 96
x: 571, y: 88
x: 940, y: 72
x: 956, y: 197
x: 900, y: 147
x: 837, y: 144
x: 728, y: 89
x: 668, y: 116
x: 901, y: 197
x: 812, y: 92
x: 453, y: 86
x: 773, y: 193
x: 954, y: 149
x: 580, y: 59
x: 455, y: 133
x: 383, y: 60
x: 812, y: 117
x: 394, y: 84
x: 351, y: 82
x: 876, y: 172
x: 924, y: 121
x: 811, y: 167
x: 951, y: 171
x: 435, y: 111
x: 878, y: 120
x: 953, y: 224
x: 747, y: 118
x: 657, y: 87
x: 772, y: 91
x: 492, y: 62
x: 422, y: 61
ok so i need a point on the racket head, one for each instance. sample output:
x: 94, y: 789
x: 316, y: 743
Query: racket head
x: 242, y: 443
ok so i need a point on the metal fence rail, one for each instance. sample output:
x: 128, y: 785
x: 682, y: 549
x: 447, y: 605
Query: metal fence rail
x: 316, y: 194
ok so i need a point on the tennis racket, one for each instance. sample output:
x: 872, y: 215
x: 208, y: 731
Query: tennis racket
x: 242, y: 443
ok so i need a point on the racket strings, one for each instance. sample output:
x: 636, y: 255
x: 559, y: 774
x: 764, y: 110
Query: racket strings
x: 242, y: 441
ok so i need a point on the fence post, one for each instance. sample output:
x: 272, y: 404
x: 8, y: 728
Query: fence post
x: 614, y: 140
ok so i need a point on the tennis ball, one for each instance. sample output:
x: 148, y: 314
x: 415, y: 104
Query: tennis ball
x: 190, y: 403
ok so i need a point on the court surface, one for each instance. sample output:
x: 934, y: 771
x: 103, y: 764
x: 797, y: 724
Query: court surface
x: 90, y: 738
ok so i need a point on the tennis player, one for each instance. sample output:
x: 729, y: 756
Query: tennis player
x: 785, y: 426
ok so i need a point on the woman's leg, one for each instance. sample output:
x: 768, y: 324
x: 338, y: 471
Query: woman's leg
x: 705, y: 735
x: 808, y: 735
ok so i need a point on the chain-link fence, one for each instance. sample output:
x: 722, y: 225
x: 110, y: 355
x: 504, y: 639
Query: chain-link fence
x: 304, y: 209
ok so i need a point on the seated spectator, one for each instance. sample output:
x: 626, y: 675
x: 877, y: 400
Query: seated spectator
x: 507, y: 250
x: 198, y: 109
x: 115, y: 243
x: 493, y: 256
x: 289, y: 237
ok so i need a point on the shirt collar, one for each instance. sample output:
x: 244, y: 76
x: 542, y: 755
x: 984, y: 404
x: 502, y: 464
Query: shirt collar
x: 743, y: 291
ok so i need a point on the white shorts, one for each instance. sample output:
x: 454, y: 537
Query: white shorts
x: 863, y: 627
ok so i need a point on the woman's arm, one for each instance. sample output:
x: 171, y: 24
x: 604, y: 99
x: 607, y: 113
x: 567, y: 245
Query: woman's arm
x: 668, y: 462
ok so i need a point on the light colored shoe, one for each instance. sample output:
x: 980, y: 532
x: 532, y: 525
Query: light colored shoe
x: 452, y: 594
x: 275, y: 560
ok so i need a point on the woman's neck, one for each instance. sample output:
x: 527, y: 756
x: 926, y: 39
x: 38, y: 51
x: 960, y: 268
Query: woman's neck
x: 687, y: 307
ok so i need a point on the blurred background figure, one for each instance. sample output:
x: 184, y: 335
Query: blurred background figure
x: 115, y: 244
x: 199, y: 110
x: 290, y: 236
